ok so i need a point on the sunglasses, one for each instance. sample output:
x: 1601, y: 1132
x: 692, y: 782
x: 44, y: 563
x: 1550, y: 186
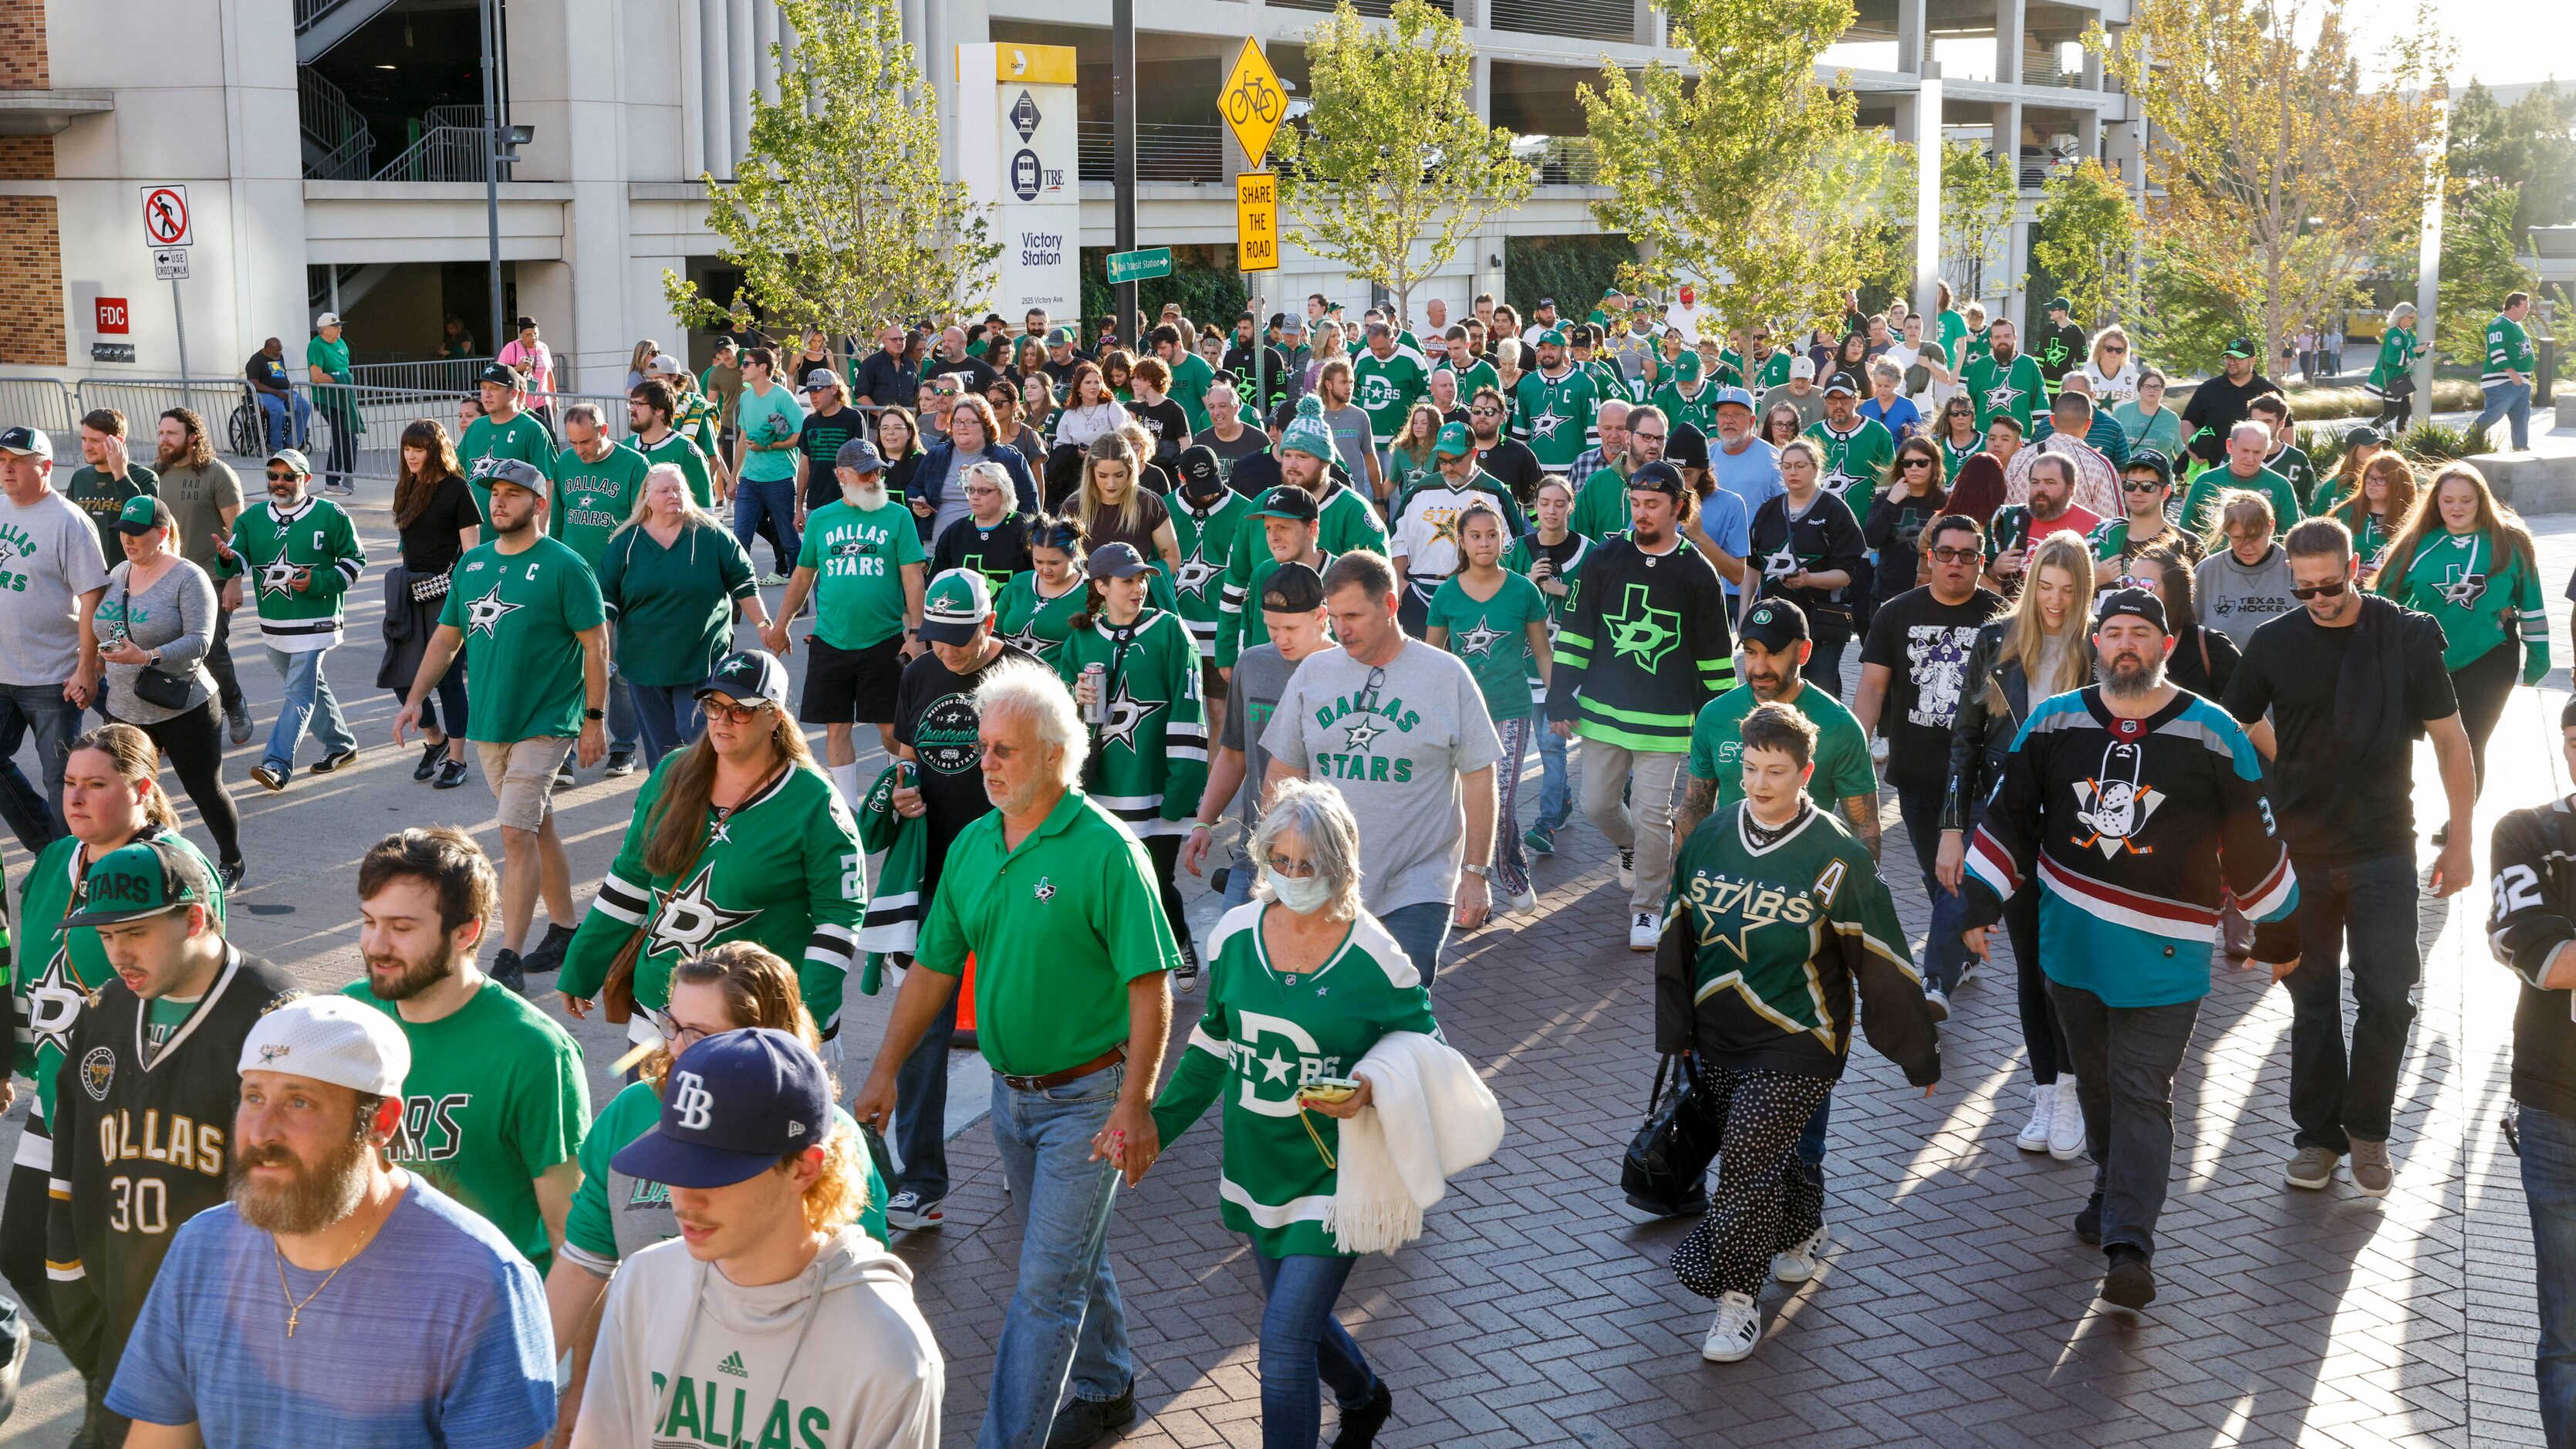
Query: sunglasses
x: 2327, y: 590
x: 1911, y: 464
x: 1948, y: 555
x: 2142, y: 485
x: 731, y: 712
x: 280, y: 475
x: 2115, y: 350
x: 1485, y: 412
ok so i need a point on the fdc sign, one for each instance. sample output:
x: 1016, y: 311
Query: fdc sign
x: 1018, y: 155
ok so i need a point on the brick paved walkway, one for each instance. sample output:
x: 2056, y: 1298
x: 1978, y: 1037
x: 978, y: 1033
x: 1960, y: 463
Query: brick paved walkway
x: 1956, y: 1305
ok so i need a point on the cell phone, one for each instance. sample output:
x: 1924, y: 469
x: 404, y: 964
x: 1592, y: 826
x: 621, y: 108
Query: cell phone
x: 1329, y: 1089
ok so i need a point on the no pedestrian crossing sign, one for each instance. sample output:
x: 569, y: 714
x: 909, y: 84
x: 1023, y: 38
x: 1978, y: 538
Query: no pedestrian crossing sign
x: 165, y: 217
x: 1256, y: 221
x: 1136, y: 266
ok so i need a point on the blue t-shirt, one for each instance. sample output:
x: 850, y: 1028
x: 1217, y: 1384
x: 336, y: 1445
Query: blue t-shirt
x: 753, y: 415
x: 435, y: 1334
x: 1752, y: 475
x: 1729, y: 524
x: 1900, y: 417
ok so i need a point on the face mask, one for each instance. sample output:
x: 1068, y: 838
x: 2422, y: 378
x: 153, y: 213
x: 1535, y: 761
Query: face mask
x: 1303, y: 894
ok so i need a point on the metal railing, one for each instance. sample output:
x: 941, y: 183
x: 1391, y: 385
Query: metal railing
x: 38, y: 402
x: 1165, y: 151
x: 469, y: 116
x: 454, y: 376
x: 339, y: 139
x: 443, y: 153
x: 1613, y: 20
x: 1371, y: 9
x: 1560, y: 160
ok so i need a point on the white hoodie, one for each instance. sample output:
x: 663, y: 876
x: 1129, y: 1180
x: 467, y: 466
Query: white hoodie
x: 838, y: 1355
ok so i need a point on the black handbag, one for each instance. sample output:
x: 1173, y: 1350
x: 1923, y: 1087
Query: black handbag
x: 158, y: 687
x: 1668, y: 1159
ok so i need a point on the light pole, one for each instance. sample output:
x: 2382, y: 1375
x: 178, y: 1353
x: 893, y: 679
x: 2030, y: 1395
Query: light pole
x: 1122, y: 88
x: 500, y: 148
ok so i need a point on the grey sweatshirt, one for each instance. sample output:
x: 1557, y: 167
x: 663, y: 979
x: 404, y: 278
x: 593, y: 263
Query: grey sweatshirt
x: 2234, y: 599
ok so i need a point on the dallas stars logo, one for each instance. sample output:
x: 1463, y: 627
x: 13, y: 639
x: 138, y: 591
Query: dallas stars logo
x: 1127, y: 714
x: 54, y: 1003
x: 1478, y: 641
x: 2462, y: 591
x: 1780, y: 562
x: 1543, y: 426
x: 1360, y: 733
x: 1643, y: 632
x: 277, y: 578
x: 1195, y: 572
x: 2002, y: 399
x: 484, y: 615
x: 1044, y: 890
x: 1838, y: 482
x: 691, y: 920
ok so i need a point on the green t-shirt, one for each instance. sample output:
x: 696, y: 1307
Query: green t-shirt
x: 593, y: 500
x: 1191, y: 378
x: 2200, y: 501
x: 858, y: 561
x: 1058, y: 927
x: 1843, y: 767
x: 522, y: 614
x: 1386, y: 389
x: 163, y: 1015
x: 680, y: 451
x: 487, y: 442
x: 1492, y: 637
x: 496, y: 1095
x: 674, y: 606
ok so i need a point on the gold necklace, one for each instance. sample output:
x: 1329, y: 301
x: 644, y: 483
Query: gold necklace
x: 295, y: 1310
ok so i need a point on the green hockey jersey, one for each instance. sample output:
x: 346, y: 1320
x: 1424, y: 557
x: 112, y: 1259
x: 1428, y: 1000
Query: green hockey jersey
x: 1206, y: 542
x: 1344, y: 521
x: 1028, y: 617
x: 1242, y: 625
x: 1856, y: 463
x: 1265, y: 1034
x: 2016, y: 388
x: 1600, y: 505
x: 270, y: 548
x: 2291, y: 462
x: 2483, y: 592
x: 2509, y: 351
x: 1387, y: 388
x: 1699, y: 409
x: 1644, y: 648
x: 1479, y: 373
x: 678, y: 450
x: 487, y: 442
x: 783, y: 868
x: 1554, y: 416
x: 1768, y: 950
x: 893, y: 922
x: 1149, y: 759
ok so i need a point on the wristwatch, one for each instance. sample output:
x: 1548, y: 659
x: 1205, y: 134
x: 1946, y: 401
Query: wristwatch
x: 1480, y: 872
x: 594, y: 714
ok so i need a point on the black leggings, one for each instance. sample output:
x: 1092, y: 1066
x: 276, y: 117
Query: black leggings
x: 2041, y: 1036
x: 2393, y: 416
x: 2483, y: 685
x: 1165, y: 852
x: 22, y: 1246
x: 194, y: 742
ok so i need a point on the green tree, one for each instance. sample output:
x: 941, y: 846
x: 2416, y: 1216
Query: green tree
x: 2088, y: 227
x: 1392, y: 170
x: 2527, y: 145
x: 837, y: 214
x: 1742, y: 171
x: 2183, y: 324
x: 1978, y: 192
x: 2480, y: 243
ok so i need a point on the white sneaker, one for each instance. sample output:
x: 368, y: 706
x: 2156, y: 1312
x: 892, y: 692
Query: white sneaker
x: 1940, y: 1003
x: 1738, y: 1328
x: 1628, y: 869
x: 2043, y: 1119
x: 1644, y: 931
x: 1967, y: 971
x: 1878, y: 749
x: 1524, y: 903
x: 1798, y: 1264
x: 2066, y: 1132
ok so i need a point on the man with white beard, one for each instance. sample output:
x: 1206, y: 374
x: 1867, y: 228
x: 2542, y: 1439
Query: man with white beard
x: 863, y: 562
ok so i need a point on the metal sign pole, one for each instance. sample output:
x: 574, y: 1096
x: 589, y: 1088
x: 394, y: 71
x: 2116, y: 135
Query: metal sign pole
x: 178, y: 320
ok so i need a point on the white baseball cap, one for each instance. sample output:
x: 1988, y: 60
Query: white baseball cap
x: 327, y: 319
x: 664, y: 364
x: 330, y: 1039
x: 1802, y: 367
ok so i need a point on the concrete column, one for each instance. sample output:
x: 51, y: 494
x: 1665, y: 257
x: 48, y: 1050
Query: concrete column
x: 1480, y: 86
x: 2008, y: 41
x: 2088, y: 134
x: 744, y: 56
x: 1644, y: 26
x: 1905, y: 128
x: 2007, y: 145
x: 1912, y: 47
x: 688, y: 24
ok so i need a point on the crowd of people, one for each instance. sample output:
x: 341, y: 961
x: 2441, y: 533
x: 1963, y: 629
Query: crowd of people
x: 1285, y: 607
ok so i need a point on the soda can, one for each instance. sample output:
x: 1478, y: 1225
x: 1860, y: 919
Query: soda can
x: 1097, y: 711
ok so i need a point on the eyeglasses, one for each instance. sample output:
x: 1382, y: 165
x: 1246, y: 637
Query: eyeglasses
x: 730, y: 711
x: 680, y: 1037
x: 1645, y: 437
x: 1294, y: 869
x: 1946, y: 554
x: 2327, y: 590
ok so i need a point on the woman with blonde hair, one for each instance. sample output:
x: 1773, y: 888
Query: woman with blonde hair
x: 1113, y: 506
x: 640, y: 365
x: 2375, y: 506
x: 674, y: 579
x: 2112, y: 370
x: 2468, y: 561
x: 2392, y: 375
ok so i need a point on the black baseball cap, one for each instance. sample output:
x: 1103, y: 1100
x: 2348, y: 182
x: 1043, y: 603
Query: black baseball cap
x: 1775, y: 624
x: 1196, y: 468
x: 1293, y: 588
x: 2151, y: 459
x: 501, y: 373
x: 732, y: 1106
x: 1687, y: 447
x: 2241, y: 347
x: 1288, y: 501
x: 1116, y: 561
x: 146, y: 878
x: 2139, y: 603
x: 1659, y: 477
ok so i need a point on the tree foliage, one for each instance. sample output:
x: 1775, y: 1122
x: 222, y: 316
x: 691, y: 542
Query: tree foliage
x: 2282, y: 177
x: 2480, y: 243
x: 2183, y: 323
x: 1978, y: 192
x: 1742, y: 172
x: 2529, y: 145
x: 838, y: 215
x: 1393, y: 169
x: 2087, y: 231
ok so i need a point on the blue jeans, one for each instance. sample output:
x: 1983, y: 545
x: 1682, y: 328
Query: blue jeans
x: 1301, y: 1343
x: 2549, y: 1189
x: 666, y: 717
x: 37, y: 818
x: 921, y: 1104
x: 1944, y: 954
x: 1065, y: 1320
x: 1238, y: 881
x: 767, y: 507
x: 278, y: 411
x: 1555, y: 787
x: 2504, y: 400
x: 2366, y: 908
x: 308, y: 701
x: 1824, y: 666
x: 1421, y: 930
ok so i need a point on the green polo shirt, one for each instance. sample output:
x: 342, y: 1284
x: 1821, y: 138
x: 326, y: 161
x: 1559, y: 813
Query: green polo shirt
x: 1057, y: 927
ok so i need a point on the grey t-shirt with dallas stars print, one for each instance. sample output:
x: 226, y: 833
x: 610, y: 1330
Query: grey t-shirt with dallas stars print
x: 1396, y: 753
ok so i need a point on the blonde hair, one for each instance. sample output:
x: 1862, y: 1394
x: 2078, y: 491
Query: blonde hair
x: 2025, y: 636
x: 691, y: 515
x: 1087, y: 504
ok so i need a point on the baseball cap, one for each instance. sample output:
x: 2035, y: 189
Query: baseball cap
x: 821, y: 378
x: 2136, y: 602
x: 1739, y: 396
x: 1775, y: 624
x: 1552, y: 337
x: 302, y: 465
x: 1060, y: 337
x: 327, y: 319
x: 1659, y: 477
x: 1546, y: 304
x: 1196, y: 468
x: 1841, y: 383
x: 527, y: 322
x: 859, y: 456
x: 501, y: 373
x: 954, y: 606
x: 748, y: 677
x: 1687, y: 447
x: 1293, y: 588
x: 142, y: 514
x: 517, y: 472
x: 2364, y: 436
x: 2060, y: 304
x: 1118, y: 561
x: 734, y: 1104
x: 1686, y: 366
x: 1453, y: 440
x: 26, y: 442
x: 330, y: 1039
x: 146, y: 878
x: 2150, y: 458
x: 1287, y: 501
x: 664, y: 365
x: 1802, y: 367
x: 2240, y: 347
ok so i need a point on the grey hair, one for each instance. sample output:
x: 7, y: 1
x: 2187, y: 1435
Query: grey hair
x: 1033, y: 692
x: 584, y: 412
x: 691, y: 514
x: 2248, y: 425
x: 1884, y: 368
x: 1316, y: 814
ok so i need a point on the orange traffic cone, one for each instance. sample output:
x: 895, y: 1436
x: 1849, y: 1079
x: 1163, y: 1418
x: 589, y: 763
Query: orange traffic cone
x: 966, y: 996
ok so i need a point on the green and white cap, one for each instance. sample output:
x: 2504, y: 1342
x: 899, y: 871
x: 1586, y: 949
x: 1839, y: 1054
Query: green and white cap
x: 954, y: 606
x: 1307, y: 432
x: 147, y: 878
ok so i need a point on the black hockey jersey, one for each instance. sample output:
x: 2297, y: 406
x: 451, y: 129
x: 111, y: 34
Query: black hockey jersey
x: 1646, y: 646
x: 2533, y: 863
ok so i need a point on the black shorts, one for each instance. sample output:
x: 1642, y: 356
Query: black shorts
x: 851, y: 686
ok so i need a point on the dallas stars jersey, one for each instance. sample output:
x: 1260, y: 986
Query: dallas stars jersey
x: 2138, y: 830
x: 1600, y: 505
x: 1426, y: 530
x: 1770, y: 372
x: 2016, y: 388
x: 1766, y: 947
x: 1554, y: 416
x: 1522, y: 557
x: 1149, y: 761
x: 1035, y: 622
x: 2291, y: 462
x: 1265, y: 1034
x: 1645, y: 647
x: 1608, y: 382
x: 271, y: 547
x: 1479, y: 373
x: 2481, y: 590
x: 678, y: 450
x: 1856, y: 463
x: 1699, y: 409
x: 1386, y: 389
x: 143, y: 1133
x: 783, y: 869
x: 487, y: 442
x: 57, y: 968
x: 1344, y: 521
x: 2509, y: 351
x: 1206, y: 542
x: 2397, y: 354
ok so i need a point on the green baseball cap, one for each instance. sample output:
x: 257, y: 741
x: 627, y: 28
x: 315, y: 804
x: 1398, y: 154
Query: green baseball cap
x: 1453, y: 440
x: 147, y: 878
x: 1551, y: 338
x: 142, y: 514
x: 954, y: 606
x: 2060, y: 304
x: 1686, y: 366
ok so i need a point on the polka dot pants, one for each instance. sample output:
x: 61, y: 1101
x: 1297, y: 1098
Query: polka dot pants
x: 1762, y: 1201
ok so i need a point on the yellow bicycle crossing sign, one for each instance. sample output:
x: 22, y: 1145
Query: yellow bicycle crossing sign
x: 1253, y: 101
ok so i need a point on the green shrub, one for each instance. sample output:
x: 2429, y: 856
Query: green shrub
x: 1575, y: 270
x: 2429, y: 443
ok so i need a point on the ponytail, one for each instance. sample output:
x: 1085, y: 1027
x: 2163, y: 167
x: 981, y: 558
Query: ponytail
x: 135, y: 758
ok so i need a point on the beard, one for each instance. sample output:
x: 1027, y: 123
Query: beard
x: 415, y: 978
x: 319, y: 1195
x: 872, y: 499
x: 2127, y: 676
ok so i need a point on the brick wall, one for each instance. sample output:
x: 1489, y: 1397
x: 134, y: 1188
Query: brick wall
x: 26, y: 158
x: 23, y: 65
x: 31, y: 283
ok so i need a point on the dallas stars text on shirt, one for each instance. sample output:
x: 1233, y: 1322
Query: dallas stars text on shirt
x: 1366, y: 723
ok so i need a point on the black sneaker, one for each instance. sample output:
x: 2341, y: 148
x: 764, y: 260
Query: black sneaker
x: 620, y: 763
x: 1188, y: 974
x: 507, y: 970
x: 2088, y: 1223
x: 1085, y: 1422
x: 337, y: 759
x: 549, y: 954
x: 564, y: 776
x: 451, y: 773
x: 1217, y: 879
x: 268, y: 776
x: 237, y: 721
x: 2130, y: 1283
x: 1360, y: 1425
x: 430, y: 755
x: 231, y: 873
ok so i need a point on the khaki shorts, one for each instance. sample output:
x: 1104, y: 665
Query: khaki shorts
x: 522, y: 776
